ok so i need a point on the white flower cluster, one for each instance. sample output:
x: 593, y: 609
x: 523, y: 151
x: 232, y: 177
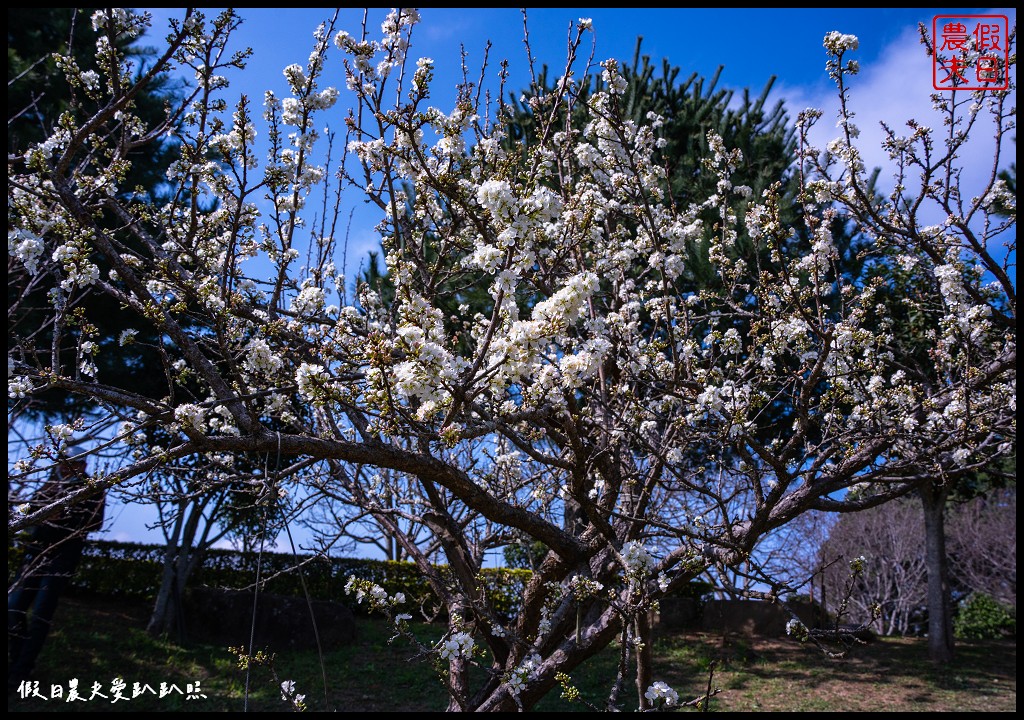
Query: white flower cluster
x: 120, y: 22
x: 557, y: 593
x: 288, y: 694
x: 459, y: 645
x: 565, y: 306
x: 728, y: 401
x: 79, y: 270
x: 190, y: 416
x: 310, y: 377
x: 519, y: 677
x: 486, y: 257
x: 847, y: 153
x: 259, y: 359
x: 393, y: 46
x: 520, y: 352
x: 638, y: 560
x: 310, y: 301
x: 794, y: 332
x: 430, y: 367
x: 241, y: 137
x: 823, y: 253
x: 583, y: 588
x: 660, y: 691
x: 395, y: 42
x: 221, y: 421
x: 376, y: 597
x: 60, y: 433
x: 1000, y: 196
x: 951, y: 285
x: 91, y: 80
x: 18, y: 388
x: 615, y: 83
x: 88, y: 367
x: 53, y: 144
x: 27, y: 247
x: 837, y: 42
x: 796, y: 629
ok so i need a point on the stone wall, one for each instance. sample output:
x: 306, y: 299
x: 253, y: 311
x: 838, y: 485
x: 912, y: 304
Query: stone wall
x: 745, y: 617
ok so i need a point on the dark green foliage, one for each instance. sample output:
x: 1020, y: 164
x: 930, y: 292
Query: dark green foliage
x: 132, y: 571
x: 525, y: 555
x: 691, y: 108
x: 37, y: 95
x: 982, y: 618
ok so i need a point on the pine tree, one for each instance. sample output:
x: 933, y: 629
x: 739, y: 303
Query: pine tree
x: 37, y: 95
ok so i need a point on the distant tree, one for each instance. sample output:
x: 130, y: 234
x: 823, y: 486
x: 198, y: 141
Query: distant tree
x: 983, y: 545
x: 201, y: 500
x: 890, y: 538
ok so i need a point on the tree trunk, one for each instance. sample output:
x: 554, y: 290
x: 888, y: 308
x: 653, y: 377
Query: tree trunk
x: 643, y: 658
x: 940, y: 616
x: 158, y: 619
x: 179, y: 560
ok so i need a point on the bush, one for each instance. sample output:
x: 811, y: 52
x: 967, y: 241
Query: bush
x: 132, y: 570
x: 982, y: 618
x: 525, y: 555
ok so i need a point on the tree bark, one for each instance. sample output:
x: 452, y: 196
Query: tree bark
x: 158, y: 619
x: 179, y: 561
x: 644, y: 658
x: 940, y: 616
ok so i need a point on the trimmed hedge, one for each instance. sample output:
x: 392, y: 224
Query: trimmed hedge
x: 131, y: 570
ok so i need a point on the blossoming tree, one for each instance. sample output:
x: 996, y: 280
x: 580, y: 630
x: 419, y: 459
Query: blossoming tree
x: 581, y: 380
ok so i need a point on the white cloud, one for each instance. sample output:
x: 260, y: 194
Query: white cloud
x: 896, y: 88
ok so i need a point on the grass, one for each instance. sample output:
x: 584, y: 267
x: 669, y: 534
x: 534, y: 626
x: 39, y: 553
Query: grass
x: 888, y: 675
x: 97, y: 640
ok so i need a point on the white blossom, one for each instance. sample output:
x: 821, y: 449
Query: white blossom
x: 259, y: 359
x: 638, y: 560
x: 837, y: 42
x: 18, y: 388
x: 191, y: 416
x: 459, y: 645
x: 661, y: 691
x: 309, y: 377
x: 27, y: 247
x: 520, y: 676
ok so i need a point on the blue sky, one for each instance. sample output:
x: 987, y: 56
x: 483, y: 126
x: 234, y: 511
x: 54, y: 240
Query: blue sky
x: 751, y: 44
